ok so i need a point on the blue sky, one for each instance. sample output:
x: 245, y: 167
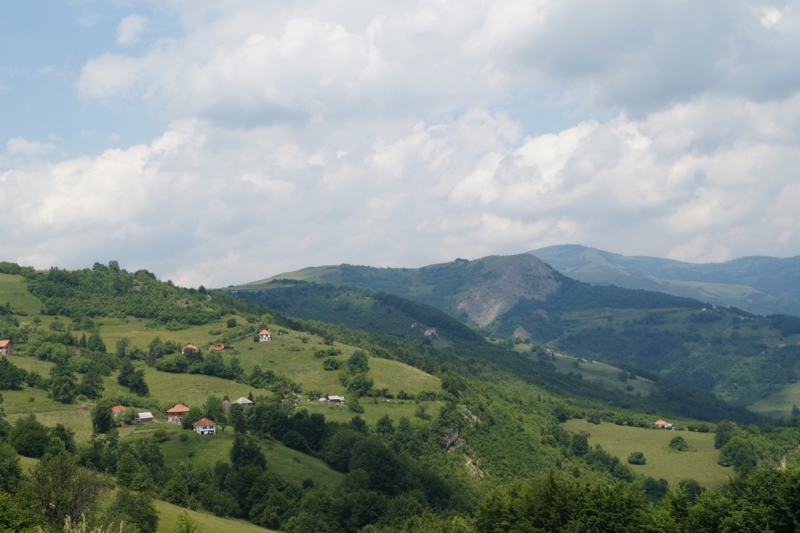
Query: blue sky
x: 217, y: 143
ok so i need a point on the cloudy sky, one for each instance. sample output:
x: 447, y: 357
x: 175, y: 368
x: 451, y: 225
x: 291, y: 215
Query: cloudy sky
x: 220, y: 144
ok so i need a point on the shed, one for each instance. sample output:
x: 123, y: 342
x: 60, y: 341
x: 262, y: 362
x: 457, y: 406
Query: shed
x: 332, y: 398
x: 6, y: 348
x: 244, y: 402
x: 204, y: 426
x: 144, y: 417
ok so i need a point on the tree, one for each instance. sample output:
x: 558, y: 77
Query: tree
x: 176, y: 491
x: 246, y: 451
x: 102, y: 418
x: 580, y: 445
x: 66, y: 436
x: 91, y: 384
x: 137, y: 384
x: 214, y: 410
x: 95, y: 343
x: 237, y: 418
x: 10, y: 471
x: 29, y: 437
x: 64, y: 490
x: 231, y: 323
x: 678, y: 444
x: 11, y: 377
x: 185, y: 524
x: 126, y: 372
x: 136, y: 509
x: 127, y: 468
x: 636, y: 458
x: 122, y: 348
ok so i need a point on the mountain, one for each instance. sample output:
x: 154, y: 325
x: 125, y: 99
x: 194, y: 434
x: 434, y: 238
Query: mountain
x: 762, y: 285
x: 739, y: 356
x: 475, y: 291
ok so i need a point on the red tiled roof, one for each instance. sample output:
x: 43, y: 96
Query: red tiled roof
x: 204, y: 422
x: 660, y: 423
x: 263, y: 332
x: 180, y: 408
x: 190, y: 347
x: 119, y: 409
x: 217, y: 347
x: 3, y: 344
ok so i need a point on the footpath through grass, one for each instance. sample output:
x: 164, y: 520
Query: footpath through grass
x: 699, y: 464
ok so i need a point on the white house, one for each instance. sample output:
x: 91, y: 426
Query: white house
x: 244, y: 402
x: 204, y: 426
x: 189, y: 348
x: 264, y: 336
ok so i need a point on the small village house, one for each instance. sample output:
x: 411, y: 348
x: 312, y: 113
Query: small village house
x: 204, y: 426
x: 6, y: 348
x: 118, y: 410
x: 176, y: 414
x: 144, y: 417
x: 188, y: 348
x: 264, y: 336
x: 244, y: 402
x: 662, y: 424
x: 334, y: 399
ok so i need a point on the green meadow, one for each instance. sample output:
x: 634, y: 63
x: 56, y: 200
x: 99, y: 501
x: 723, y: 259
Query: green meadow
x: 700, y: 463
x: 780, y: 403
x: 168, y: 515
x: 14, y: 290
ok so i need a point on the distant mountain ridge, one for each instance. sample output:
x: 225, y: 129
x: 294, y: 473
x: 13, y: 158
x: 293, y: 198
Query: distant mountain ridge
x: 478, y: 291
x: 762, y: 285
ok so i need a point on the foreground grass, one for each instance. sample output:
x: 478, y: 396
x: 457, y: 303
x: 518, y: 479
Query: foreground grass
x: 699, y: 464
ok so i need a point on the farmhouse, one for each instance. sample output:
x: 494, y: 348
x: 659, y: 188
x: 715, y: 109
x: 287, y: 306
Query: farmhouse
x: 662, y: 424
x: 144, y: 417
x: 176, y: 414
x: 244, y: 402
x: 118, y: 410
x: 204, y: 426
x: 188, y: 348
x: 264, y: 336
x: 6, y: 348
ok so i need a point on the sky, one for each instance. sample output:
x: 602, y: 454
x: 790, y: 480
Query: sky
x: 218, y: 143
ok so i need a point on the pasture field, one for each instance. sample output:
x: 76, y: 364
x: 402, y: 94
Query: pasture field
x: 699, y: 464
x: 780, y: 403
x: 78, y: 421
x: 135, y: 330
x: 14, y: 290
x: 602, y: 371
x: 168, y: 515
x: 396, y: 409
x: 206, y: 450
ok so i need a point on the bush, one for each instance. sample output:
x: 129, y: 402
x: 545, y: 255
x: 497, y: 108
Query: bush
x: 678, y: 444
x: 29, y: 437
x: 636, y: 458
x: 231, y: 323
x: 331, y: 364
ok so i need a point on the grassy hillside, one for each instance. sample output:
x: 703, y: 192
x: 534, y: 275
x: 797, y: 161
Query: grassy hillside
x: 700, y: 463
x: 168, y: 514
x: 764, y: 285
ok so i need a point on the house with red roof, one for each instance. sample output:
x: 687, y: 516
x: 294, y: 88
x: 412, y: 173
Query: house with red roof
x: 176, y: 414
x: 118, y: 410
x: 216, y: 348
x: 6, y: 348
x: 264, y: 336
x: 662, y: 424
x: 204, y: 426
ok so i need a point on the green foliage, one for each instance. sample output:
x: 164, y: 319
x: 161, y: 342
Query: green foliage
x: 738, y: 453
x: 185, y: 524
x: 636, y: 458
x: 176, y: 491
x: 11, y: 377
x: 10, y: 471
x: 135, y: 509
x: 102, y: 417
x: 29, y: 437
x: 678, y: 444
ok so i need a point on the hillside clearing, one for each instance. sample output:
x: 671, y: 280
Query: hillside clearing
x: 699, y: 464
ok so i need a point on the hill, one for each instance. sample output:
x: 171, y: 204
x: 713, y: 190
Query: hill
x: 762, y: 285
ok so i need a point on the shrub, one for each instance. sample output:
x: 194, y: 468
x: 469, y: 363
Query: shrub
x: 678, y: 444
x: 636, y: 458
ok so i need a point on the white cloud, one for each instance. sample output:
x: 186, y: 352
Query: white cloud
x: 22, y: 146
x: 401, y: 134
x: 130, y: 28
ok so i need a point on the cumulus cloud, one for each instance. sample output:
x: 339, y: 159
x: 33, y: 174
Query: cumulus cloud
x: 130, y: 28
x: 390, y: 133
x: 22, y: 146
